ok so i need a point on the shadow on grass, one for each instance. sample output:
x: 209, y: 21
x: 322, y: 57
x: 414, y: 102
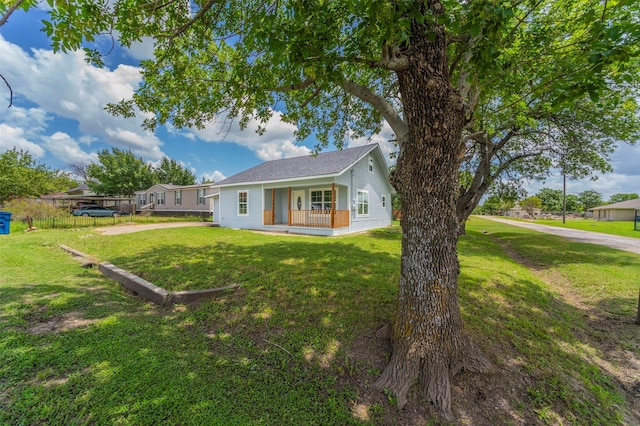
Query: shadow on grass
x: 282, y: 280
x: 563, y: 361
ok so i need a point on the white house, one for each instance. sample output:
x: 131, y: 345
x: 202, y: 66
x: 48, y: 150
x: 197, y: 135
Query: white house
x: 331, y: 193
x: 624, y: 210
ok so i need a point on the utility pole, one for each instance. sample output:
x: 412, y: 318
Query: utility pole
x: 564, y: 196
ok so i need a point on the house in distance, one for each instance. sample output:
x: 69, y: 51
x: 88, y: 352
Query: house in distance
x: 332, y: 193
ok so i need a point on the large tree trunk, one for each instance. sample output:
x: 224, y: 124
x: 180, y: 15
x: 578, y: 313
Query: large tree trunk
x: 429, y: 344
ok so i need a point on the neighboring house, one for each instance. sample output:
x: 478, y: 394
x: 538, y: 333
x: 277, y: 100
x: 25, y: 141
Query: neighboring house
x: 624, y: 210
x: 167, y: 199
x: 518, y: 211
x: 81, y: 190
x: 331, y: 193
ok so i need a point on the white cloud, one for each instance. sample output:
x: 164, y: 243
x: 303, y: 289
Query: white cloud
x: 625, y: 161
x: 13, y: 137
x: 215, y: 176
x: 277, y: 142
x: 141, y: 50
x: 64, y: 85
x: 67, y: 150
x: 383, y: 139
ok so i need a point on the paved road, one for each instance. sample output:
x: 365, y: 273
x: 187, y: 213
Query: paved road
x: 621, y: 243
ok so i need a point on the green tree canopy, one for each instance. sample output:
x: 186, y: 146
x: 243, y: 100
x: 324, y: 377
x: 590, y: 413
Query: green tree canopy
x: 617, y: 198
x: 22, y: 176
x: 497, y: 89
x: 589, y: 198
x: 120, y: 172
x: 573, y: 203
x: 529, y: 204
x: 551, y: 199
x: 169, y: 171
x: 492, y: 205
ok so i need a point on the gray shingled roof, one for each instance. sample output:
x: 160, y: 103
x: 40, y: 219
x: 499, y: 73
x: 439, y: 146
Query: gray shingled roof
x: 323, y: 164
x: 629, y: 204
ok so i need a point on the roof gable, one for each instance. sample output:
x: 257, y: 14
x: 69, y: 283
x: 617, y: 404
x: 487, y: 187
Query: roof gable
x: 329, y: 163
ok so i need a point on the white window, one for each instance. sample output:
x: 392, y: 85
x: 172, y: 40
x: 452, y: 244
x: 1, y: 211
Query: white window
x: 321, y: 200
x: 384, y: 201
x: 243, y: 203
x: 370, y: 165
x: 363, y: 203
x: 200, y: 196
x: 142, y: 199
x: 178, y: 198
x: 160, y: 197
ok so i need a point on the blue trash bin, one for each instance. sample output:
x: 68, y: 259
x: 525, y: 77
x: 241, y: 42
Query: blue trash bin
x: 5, y: 222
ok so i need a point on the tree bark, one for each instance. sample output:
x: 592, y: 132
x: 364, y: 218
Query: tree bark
x: 429, y: 343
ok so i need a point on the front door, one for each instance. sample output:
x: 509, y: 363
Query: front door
x: 298, y: 200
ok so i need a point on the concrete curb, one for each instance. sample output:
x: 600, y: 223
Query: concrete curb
x: 193, y: 296
x: 149, y: 291
x: 75, y: 252
x: 137, y: 285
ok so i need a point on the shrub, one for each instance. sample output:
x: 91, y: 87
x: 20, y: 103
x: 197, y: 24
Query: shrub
x: 23, y: 207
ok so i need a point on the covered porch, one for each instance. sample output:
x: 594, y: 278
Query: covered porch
x: 310, y: 207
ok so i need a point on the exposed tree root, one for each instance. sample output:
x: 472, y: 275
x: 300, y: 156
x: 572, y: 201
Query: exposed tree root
x: 433, y: 370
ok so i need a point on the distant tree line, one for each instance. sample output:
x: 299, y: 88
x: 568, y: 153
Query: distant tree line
x: 118, y: 172
x: 550, y: 200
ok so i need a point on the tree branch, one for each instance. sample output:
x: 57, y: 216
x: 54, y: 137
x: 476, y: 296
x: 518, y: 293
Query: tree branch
x: 379, y: 103
x: 10, y: 90
x: 10, y: 10
x: 298, y: 86
x: 193, y: 20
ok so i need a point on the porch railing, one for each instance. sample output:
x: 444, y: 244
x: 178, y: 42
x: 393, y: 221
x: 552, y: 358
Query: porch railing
x: 312, y: 218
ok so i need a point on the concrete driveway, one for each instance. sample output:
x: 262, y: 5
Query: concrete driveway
x: 621, y: 243
x: 127, y: 228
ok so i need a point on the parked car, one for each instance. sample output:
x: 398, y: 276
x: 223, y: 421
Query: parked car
x: 95, y: 211
x: 83, y: 205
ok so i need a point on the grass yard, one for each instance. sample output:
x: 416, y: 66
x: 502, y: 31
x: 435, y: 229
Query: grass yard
x: 297, y: 344
x: 623, y: 229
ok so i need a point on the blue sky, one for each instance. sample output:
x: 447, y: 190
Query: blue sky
x: 58, y: 116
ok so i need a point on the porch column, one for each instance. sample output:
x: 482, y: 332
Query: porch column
x: 273, y: 206
x: 333, y: 204
x: 289, y: 207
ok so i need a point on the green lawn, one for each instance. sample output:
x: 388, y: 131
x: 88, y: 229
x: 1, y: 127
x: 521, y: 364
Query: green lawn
x: 295, y: 345
x: 623, y: 229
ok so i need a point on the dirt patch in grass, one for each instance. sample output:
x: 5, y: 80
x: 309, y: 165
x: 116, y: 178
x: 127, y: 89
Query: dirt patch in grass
x: 59, y: 323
